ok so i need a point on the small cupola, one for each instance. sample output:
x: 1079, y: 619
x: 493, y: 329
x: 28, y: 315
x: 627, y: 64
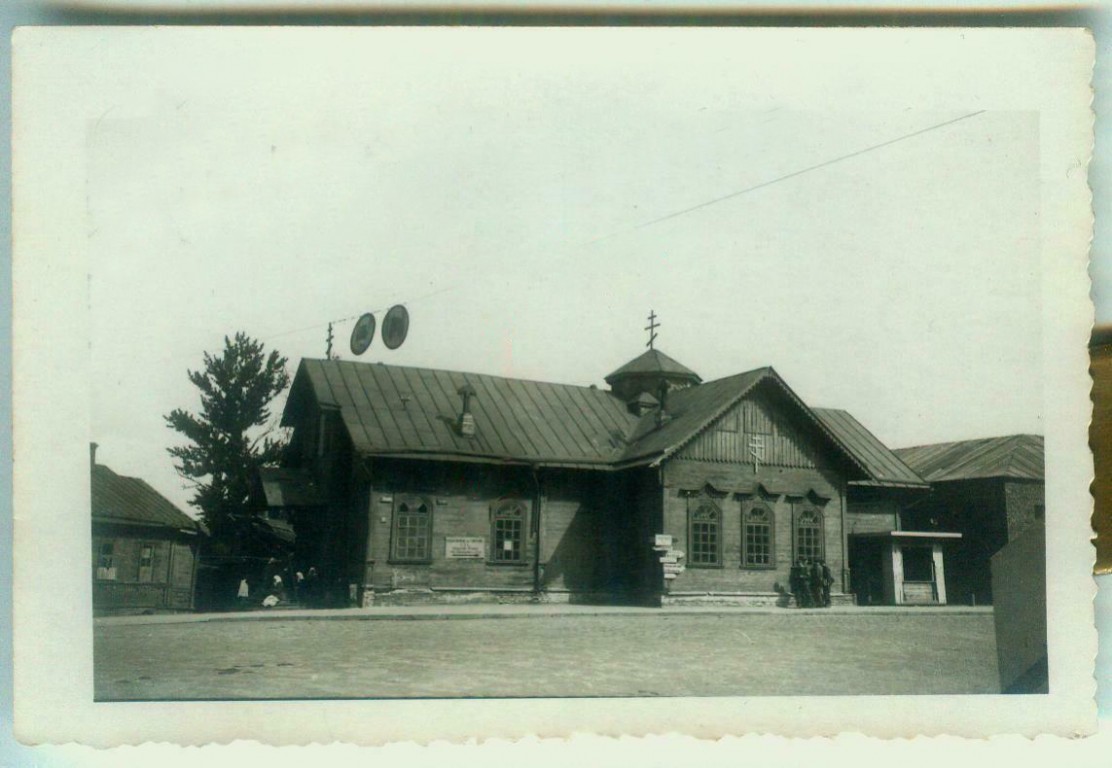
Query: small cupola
x: 465, y: 425
x: 645, y: 374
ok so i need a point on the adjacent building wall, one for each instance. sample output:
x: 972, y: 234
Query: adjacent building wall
x: 988, y: 513
x: 170, y: 584
x: 1025, y: 500
x: 1019, y: 587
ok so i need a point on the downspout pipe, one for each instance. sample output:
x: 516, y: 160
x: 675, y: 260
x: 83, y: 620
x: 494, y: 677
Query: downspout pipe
x: 537, y: 505
x: 847, y: 577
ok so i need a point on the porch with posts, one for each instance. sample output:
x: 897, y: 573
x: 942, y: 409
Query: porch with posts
x: 900, y: 567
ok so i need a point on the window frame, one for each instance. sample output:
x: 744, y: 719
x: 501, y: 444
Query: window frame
x: 509, y: 510
x: 148, y: 545
x: 324, y: 434
x: 769, y: 523
x: 798, y: 526
x: 108, y: 569
x: 704, y: 503
x: 413, y: 503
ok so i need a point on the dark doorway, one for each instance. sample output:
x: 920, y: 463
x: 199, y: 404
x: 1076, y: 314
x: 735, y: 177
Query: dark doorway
x: 918, y: 564
x: 866, y: 564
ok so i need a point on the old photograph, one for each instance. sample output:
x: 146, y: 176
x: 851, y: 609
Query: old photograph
x: 474, y: 365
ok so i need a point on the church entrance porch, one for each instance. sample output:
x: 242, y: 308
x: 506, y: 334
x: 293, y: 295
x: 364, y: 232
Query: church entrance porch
x: 900, y: 567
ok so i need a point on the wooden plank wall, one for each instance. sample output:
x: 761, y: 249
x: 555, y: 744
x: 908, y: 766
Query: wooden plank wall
x: 682, y: 476
x: 573, y: 539
x: 166, y: 589
x: 873, y: 516
x: 728, y: 440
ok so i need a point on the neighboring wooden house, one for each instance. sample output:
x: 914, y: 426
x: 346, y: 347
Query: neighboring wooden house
x: 989, y: 490
x: 144, y: 548
x: 432, y: 485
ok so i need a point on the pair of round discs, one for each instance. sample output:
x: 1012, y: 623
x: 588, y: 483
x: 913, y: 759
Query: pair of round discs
x: 395, y: 326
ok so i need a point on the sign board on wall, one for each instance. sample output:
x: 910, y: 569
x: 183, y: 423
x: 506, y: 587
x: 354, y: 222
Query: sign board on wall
x: 464, y: 547
x: 662, y: 541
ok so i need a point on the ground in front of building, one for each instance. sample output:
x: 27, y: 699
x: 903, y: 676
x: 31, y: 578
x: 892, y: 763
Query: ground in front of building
x: 562, y: 654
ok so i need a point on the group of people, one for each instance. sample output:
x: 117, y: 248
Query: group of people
x: 810, y: 582
x: 303, y: 588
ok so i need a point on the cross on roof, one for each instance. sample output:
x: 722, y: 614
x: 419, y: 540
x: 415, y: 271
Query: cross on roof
x: 651, y: 328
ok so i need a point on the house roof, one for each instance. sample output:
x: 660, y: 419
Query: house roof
x: 695, y: 409
x: 653, y: 362
x: 885, y: 467
x: 689, y: 411
x: 390, y: 409
x: 1013, y: 456
x: 120, y: 499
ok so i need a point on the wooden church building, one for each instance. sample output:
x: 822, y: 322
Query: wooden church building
x: 435, y: 485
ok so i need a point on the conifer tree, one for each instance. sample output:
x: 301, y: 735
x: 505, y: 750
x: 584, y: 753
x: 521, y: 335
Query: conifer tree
x: 232, y: 435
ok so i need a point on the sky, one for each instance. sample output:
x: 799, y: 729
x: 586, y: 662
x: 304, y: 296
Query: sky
x: 531, y: 195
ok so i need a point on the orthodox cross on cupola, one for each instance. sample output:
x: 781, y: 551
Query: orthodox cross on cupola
x: 651, y: 328
x: 757, y: 451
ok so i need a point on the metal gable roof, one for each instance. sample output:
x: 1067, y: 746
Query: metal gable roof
x: 695, y: 409
x: 884, y: 466
x: 120, y: 499
x: 689, y: 411
x: 390, y: 409
x: 412, y: 412
x: 1013, y: 456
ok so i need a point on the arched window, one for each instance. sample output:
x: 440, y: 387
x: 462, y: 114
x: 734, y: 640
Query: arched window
x: 412, y: 530
x: 704, y: 536
x: 808, y: 534
x: 757, y: 537
x: 507, y: 533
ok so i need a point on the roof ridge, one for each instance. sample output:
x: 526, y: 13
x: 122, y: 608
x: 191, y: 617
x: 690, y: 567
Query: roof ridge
x: 594, y: 387
x: 970, y: 440
x: 764, y: 368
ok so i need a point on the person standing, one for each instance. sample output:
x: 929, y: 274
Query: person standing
x: 299, y: 587
x: 816, y: 583
x: 312, y: 588
x: 827, y: 581
x: 796, y: 583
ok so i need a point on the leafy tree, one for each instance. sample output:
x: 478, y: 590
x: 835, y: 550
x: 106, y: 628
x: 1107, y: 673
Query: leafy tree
x: 233, y: 435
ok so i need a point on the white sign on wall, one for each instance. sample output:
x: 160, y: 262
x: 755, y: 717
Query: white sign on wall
x: 464, y: 547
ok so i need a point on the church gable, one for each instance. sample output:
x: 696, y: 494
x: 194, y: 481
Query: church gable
x: 762, y: 423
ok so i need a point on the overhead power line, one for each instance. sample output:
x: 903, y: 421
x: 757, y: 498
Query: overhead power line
x: 682, y: 212
x: 785, y: 177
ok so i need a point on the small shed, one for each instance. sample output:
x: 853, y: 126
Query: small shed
x: 145, y: 549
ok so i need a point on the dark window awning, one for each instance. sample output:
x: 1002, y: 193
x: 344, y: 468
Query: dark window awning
x: 289, y: 488
x: 275, y: 529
